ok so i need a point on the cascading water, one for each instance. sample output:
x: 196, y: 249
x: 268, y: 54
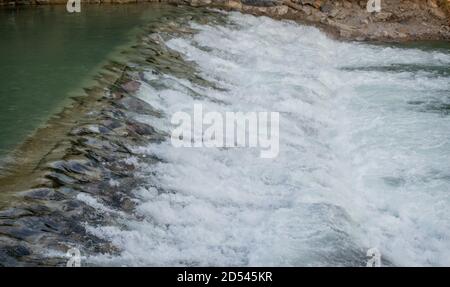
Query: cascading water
x: 364, y: 154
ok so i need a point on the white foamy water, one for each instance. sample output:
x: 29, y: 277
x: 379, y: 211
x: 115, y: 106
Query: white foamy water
x: 364, y: 155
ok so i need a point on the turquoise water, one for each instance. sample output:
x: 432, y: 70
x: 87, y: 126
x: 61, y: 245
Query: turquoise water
x: 48, y: 55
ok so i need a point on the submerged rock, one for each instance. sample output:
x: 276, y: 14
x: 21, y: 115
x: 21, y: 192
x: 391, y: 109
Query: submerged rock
x: 136, y: 105
x: 131, y: 86
x: 42, y: 194
x: 86, y: 181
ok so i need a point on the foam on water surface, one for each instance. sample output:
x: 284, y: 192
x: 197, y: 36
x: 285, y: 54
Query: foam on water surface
x: 364, y: 155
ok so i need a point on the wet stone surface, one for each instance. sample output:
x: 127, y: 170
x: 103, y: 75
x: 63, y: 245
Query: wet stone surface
x: 88, y: 179
x: 52, y: 216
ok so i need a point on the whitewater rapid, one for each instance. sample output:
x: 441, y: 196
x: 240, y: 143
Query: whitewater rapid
x: 364, y: 157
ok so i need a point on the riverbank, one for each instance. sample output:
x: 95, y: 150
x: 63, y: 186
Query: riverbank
x: 397, y: 21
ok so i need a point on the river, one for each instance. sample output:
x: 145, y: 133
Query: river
x: 364, y: 158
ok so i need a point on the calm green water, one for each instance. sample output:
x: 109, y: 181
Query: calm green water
x: 48, y: 55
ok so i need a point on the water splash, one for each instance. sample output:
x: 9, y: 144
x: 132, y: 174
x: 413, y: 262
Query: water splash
x: 363, y: 158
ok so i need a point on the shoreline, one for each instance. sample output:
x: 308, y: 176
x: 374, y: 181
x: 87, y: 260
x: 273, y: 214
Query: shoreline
x: 408, y: 21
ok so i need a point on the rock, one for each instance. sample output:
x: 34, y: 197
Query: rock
x: 89, y: 129
x: 281, y: 10
x: 317, y: 16
x: 315, y: 3
x: 103, y: 145
x: 438, y: 13
x: 432, y: 3
x: 136, y: 105
x: 42, y: 194
x: 307, y: 10
x: 345, y: 34
x: 17, y: 250
x: 402, y: 35
x: 199, y: 3
x: 327, y: 7
x: 60, y: 179
x: 141, y: 128
x: 275, y: 11
x: 81, y: 170
x: 363, y: 4
x: 15, y: 212
x: 259, y: 3
x: 233, y: 5
x: 299, y: 7
x: 18, y: 231
x: 382, y: 16
x: 347, y: 4
x: 133, y: 86
x: 334, y: 12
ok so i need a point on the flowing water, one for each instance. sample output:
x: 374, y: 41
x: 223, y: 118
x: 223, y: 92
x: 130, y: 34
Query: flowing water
x: 364, y: 156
